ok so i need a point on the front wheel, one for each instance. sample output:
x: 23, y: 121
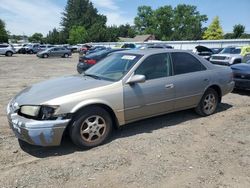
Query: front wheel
x: 9, y: 54
x: 208, y: 103
x: 45, y: 55
x: 66, y: 55
x: 91, y: 127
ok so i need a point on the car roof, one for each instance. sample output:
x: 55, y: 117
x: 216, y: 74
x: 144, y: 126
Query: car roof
x: 150, y: 51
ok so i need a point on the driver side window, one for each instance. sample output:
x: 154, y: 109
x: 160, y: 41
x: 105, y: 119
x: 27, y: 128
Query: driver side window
x: 155, y: 66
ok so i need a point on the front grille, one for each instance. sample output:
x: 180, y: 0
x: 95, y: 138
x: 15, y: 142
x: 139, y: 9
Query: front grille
x: 219, y: 63
x: 242, y: 76
x: 219, y: 57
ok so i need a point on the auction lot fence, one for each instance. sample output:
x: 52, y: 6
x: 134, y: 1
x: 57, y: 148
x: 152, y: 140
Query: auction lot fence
x: 188, y: 45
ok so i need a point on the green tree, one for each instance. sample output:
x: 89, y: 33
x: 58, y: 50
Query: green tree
x: 53, y: 37
x: 81, y: 13
x: 77, y: 34
x: 187, y: 23
x: 3, y: 32
x: 238, y: 30
x: 144, y: 21
x: 36, y: 37
x: 163, y: 17
x: 126, y: 31
x: 214, y: 30
x: 183, y: 22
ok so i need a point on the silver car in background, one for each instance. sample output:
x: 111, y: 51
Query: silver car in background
x: 124, y: 87
x: 228, y: 56
x: 7, y: 49
x: 55, y: 52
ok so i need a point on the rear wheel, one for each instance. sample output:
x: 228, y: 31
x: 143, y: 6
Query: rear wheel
x: 9, y: 53
x: 91, y: 127
x: 208, y: 103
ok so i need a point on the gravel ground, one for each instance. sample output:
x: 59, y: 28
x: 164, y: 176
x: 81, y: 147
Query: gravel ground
x: 176, y: 150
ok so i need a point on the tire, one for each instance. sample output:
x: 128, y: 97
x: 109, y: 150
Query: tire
x: 9, y: 53
x: 208, y: 103
x: 91, y: 127
x: 45, y: 55
x: 66, y: 55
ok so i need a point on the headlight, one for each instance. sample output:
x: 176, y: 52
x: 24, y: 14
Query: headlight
x: 30, y: 110
x: 39, y: 112
x: 227, y: 58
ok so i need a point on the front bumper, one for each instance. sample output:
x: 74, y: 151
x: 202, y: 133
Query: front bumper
x: 41, y: 133
x: 220, y: 62
x: 242, y: 83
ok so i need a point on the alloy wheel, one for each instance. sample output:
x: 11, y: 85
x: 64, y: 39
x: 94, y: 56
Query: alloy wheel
x: 93, y: 128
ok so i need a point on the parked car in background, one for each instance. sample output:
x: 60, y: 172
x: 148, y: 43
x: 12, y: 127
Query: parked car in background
x: 94, y: 49
x: 242, y: 75
x: 204, y: 52
x: 125, y: 87
x: 7, y: 49
x: 159, y: 46
x: 83, y: 49
x: 128, y: 46
x: 216, y: 50
x: 18, y: 47
x: 45, y: 46
x: 87, y: 61
x: 54, y: 52
x: 125, y: 45
x: 30, y: 49
x: 230, y: 55
x: 89, y: 50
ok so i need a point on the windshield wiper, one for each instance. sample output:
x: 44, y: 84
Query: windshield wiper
x: 92, y: 76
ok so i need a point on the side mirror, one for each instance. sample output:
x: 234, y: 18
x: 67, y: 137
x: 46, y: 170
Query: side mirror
x: 136, y: 79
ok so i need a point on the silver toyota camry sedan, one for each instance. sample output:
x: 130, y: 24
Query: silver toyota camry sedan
x: 124, y: 87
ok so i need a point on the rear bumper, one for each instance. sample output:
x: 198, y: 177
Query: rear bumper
x: 41, y: 133
x: 82, y: 67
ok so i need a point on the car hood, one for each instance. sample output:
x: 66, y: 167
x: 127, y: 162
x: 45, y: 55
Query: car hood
x: 242, y: 67
x: 44, y: 91
x: 203, y: 49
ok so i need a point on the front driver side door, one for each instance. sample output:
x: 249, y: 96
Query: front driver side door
x: 155, y: 95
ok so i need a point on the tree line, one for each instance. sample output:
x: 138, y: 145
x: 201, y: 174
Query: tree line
x: 82, y: 23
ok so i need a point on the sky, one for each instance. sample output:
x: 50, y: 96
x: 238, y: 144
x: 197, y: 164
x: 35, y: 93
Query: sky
x: 30, y: 16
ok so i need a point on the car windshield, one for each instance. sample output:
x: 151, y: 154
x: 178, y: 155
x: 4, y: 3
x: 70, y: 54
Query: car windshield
x: 113, y: 67
x: 101, y: 52
x: 231, y: 51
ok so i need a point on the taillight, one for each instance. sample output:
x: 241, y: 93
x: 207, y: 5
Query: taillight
x: 90, y: 61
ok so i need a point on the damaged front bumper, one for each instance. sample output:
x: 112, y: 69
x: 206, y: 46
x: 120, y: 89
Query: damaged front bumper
x: 41, y: 133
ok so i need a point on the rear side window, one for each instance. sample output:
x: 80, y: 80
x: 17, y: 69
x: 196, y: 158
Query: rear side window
x: 185, y: 63
x: 155, y: 66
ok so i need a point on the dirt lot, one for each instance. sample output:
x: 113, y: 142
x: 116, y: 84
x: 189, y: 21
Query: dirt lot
x: 176, y: 150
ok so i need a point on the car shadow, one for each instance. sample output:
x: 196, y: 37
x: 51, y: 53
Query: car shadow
x: 242, y: 92
x: 140, y: 127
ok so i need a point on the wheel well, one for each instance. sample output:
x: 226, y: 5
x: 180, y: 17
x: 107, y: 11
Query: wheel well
x: 8, y: 51
x: 105, y: 107
x: 237, y: 61
x: 218, y: 90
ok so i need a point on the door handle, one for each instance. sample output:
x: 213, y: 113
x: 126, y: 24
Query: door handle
x: 169, y: 86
